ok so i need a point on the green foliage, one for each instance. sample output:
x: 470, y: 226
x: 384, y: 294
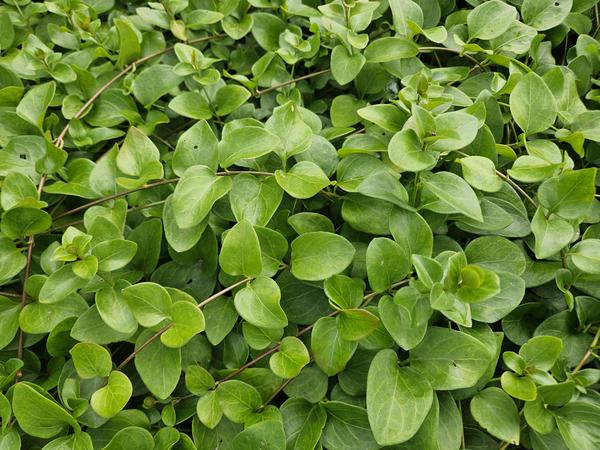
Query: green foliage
x: 299, y: 225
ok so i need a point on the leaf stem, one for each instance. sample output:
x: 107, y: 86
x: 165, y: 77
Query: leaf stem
x: 588, y: 353
x: 287, y: 83
x: 451, y: 50
x: 516, y: 187
x: 167, y: 327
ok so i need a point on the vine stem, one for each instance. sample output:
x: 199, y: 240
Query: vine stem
x: 60, y: 139
x: 451, y: 50
x: 287, y: 83
x: 167, y: 327
x: 366, y: 300
x: 588, y: 353
x: 148, y: 186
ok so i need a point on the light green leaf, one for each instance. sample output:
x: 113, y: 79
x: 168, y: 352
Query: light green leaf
x: 114, y: 254
x: 294, y: 134
x: 398, y: 399
x: 454, y: 191
x: 541, y: 352
x: 304, y: 180
x: 345, y: 67
x: 209, y: 409
x: 551, y: 234
x: 497, y: 413
x: 490, y: 19
x: 91, y: 360
x: 253, y: 199
x: 186, y: 321
x: 240, y: 253
x: 405, y: 316
x: 159, y: 366
x: 197, y: 146
x: 154, y: 82
x: 138, y: 156
x: 129, y: 46
x: 246, y: 142
x: 34, y: 104
x: 387, y: 262
x: 319, y: 255
x: 532, y: 104
x: 238, y: 400
x: 149, y: 302
x: 356, y: 324
x: 330, y: 351
x: 390, y: 49
x: 545, y: 14
x: 229, y: 98
x: 17, y: 188
x: 586, y: 255
x: 290, y: 359
x: 258, y: 304
x: 405, y: 150
x: 480, y: 173
x: 569, y: 194
x: 112, y: 398
x: 196, y: 193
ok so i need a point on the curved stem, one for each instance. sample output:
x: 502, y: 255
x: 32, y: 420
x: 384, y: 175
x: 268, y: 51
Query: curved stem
x: 588, y: 353
x: 169, y: 326
x: 287, y: 83
x: 451, y: 50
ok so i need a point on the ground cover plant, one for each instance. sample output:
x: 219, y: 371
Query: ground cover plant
x: 256, y: 224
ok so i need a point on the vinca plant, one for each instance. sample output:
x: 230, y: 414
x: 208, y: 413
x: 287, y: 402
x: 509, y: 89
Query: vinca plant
x: 295, y: 224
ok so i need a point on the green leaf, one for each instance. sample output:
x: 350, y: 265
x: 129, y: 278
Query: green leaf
x: 253, y: 199
x: 91, y: 360
x: 294, y: 134
x: 149, y: 302
x: 480, y: 172
x: 192, y: 105
x: 186, y: 321
x: 61, y: 284
x: 387, y: 263
x: 586, y: 255
x: 238, y: 400
x: 497, y: 413
x: 196, y: 193
x: 129, y: 46
x: 345, y: 67
x: 532, y: 104
x: 541, y: 352
x: 450, y: 359
x: 496, y: 253
x: 209, y: 409
x: 34, y: 104
x: 330, y: 351
x: 114, y: 310
x: 303, y: 423
x: 290, y: 359
x: 453, y: 131
x: 128, y: 435
x: 246, y: 142
x: 454, y: 191
x: 268, y: 435
x: 405, y: 316
x: 577, y: 422
x: 390, y: 49
x: 343, y: 291
x: 258, y: 304
x: 545, y: 14
x: 551, y: 234
x: 159, y: 366
x: 21, y: 222
x: 356, y: 324
x: 112, y: 398
x: 197, y: 146
x: 405, y: 150
x: 240, y: 253
x: 12, y: 260
x: 522, y: 388
x: 398, y: 399
x: 347, y: 428
x: 139, y: 157
x: 304, y: 180
x: 569, y: 194
x: 319, y: 255
x: 17, y: 189
x: 198, y: 380
x: 114, y: 254
x: 154, y: 82
x: 229, y: 98
x: 490, y: 19
x: 37, y: 414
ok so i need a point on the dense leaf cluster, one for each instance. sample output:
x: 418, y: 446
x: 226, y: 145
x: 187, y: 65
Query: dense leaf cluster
x: 288, y: 224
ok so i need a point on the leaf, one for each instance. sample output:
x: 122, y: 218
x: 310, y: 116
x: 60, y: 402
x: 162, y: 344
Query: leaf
x: 138, y: 156
x: 238, y: 400
x: 577, y: 424
x: 159, y: 366
x: 347, y: 427
x: 154, y: 82
x: 196, y: 193
x: 303, y: 423
x: 258, y: 304
x: 545, y: 14
x: 497, y: 413
x: 91, y: 360
x: 586, y: 255
x: 209, y: 409
x: 330, y: 351
x: 532, y: 104
x: 149, y: 302
x: 319, y: 255
x: 551, y: 234
x: 240, y: 253
x: 390, y: 49
x: 398, y: 399
x: 405, y: 316
x: 21, y: 222
x: 35, y: 102
x: 405, y: 150
x: 569, y: 194
x: 114, y: 310
x: 490, y: 19
x: 345, y: 67
x: 290, y: 359
x: 12, y: 260
x: 541, y: 352
x: 229, y: 98
x: 254, y: 199
x: 129, y: 46
x: 198, y: 145
x: 61, y: 284
x: 356, y: 324
x: 112, y: 398
x: 496, y: 253
x: 192, y: 105
x: 343, y: 291
x: 480, y: 172
x: 455, y: 361
x: 114, y: 254
x: 267, y: 434
x: 304, y: 180
x: 37, y: 414
x: 186, y: 322
x: 387, y: 263
x: 244, y: 143
x: 453, y: 190
x: 17, y: 188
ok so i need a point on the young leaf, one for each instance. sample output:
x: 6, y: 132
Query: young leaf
x: 112, y: 398
x: 258, y: 303
x: 91, y: 360
x: 240, y: 253
x: 290, y: 359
